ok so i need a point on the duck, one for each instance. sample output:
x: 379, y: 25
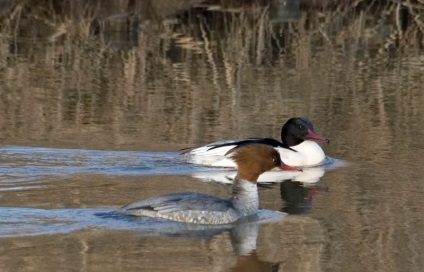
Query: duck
x: 197, y: 208
x: 296, y: 148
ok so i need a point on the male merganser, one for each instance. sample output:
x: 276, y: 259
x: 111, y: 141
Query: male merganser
x: 252, y: 160
x: 296, y: 149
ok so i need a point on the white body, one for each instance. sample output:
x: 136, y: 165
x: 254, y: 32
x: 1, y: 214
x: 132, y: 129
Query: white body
x: 308, y: 153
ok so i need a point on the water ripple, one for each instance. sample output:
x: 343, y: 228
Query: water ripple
x: 24, y: 165
x: 21, y: 221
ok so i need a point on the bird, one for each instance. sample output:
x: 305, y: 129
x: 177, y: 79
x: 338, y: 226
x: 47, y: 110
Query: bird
x: 192, y: 207
x: 296, y: 147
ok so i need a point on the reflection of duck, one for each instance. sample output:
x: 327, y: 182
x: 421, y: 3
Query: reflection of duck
x: 252, y: 160
x: 251, y: 262
x: 243, y: 240
x: 296, y: 149
x: 298, y: 198
x: 308, y: 175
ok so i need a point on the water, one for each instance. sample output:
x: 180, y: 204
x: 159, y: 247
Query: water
x: 95, y: 106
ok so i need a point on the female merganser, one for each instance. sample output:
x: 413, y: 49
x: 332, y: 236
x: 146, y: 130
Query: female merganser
x: 252, y: 160
x: 296, y: 149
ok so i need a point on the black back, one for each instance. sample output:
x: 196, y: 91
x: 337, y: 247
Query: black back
x: 267, y: 141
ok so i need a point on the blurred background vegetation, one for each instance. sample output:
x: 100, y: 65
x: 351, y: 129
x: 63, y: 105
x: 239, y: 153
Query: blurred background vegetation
x: 72, y: 70
x: 168, y: 74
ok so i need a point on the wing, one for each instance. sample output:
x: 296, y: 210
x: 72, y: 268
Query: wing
x: 180, y: 202
x: 267, y: 141
x: 222, y: 147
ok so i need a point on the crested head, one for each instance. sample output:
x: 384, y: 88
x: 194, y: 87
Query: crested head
x: 298, y: 129
x: 254, y: 159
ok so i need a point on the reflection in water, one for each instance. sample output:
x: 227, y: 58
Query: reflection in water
x: 243, y: 239
x: 28, y: 165
x: 307, y: 175
x: 209, y: 74
x: 156, y: 75
x: 297, y: 197
x: 108, y: 233
x: 25, y: 166
x: 16, y: 222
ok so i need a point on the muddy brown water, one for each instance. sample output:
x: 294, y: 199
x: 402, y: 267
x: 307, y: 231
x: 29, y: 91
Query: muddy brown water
x: 94, y: 111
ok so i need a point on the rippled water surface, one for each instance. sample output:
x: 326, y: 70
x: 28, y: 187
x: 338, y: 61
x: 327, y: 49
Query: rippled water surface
x: 98, y: 98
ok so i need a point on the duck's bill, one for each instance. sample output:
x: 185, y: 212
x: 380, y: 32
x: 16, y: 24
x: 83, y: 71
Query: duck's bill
x: 286, y: 167
x: 314, y: 136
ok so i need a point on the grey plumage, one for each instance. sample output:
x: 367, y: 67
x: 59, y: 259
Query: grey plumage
x: 198, y: 208
x: 181, y: 202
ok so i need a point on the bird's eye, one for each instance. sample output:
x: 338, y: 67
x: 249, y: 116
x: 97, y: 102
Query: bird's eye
x: 301, y: 127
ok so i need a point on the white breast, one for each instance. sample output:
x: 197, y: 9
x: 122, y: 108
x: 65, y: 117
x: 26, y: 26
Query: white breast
x: 308, y: 153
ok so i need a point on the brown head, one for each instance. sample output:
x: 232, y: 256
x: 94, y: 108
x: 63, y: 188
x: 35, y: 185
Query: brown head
x: 255, y: 159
